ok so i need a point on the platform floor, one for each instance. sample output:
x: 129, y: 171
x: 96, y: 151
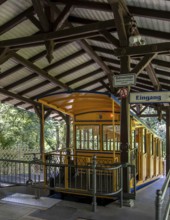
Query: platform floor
x: 68, y: 210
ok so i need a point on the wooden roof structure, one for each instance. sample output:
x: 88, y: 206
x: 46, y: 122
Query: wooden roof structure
x: 51, y: 46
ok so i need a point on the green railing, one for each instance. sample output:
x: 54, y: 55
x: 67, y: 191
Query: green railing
x: 162, y: 202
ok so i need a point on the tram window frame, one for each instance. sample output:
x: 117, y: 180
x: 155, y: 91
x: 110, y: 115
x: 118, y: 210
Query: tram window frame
x: 151, y: 144
x: 89, y: 142
x: 144, y: 140
x: 117, y: 141
x: 157, y: 148
x: 133, y: 141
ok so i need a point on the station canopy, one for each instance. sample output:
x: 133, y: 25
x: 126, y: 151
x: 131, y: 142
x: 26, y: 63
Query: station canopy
x: 49, y: 46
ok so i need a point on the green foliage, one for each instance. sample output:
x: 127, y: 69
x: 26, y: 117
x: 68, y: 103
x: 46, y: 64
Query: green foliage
x: 20, y: 128
x: 159, y: 127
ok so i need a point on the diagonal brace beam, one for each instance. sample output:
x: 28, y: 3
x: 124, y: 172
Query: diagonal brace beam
x: 37, y: 70
x: 143, y: 63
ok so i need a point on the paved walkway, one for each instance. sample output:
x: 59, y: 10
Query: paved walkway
x: 67, y: 210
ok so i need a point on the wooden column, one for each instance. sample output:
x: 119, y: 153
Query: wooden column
x: 167, y: 139
x: 122, y: 19
x: 42, y: 115
x: 42, y: 146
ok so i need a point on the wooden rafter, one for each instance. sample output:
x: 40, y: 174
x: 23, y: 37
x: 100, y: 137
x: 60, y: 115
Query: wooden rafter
x: 39, y: 9
x: 32, y: 59
x: 97, y: 59
x: 110, y: 38
x: 143, y: 49
x: 100, y: 6
x: 63, y: 16
x: 16, y: 20
x: 37, y: 70
x: 18, y: 97
x: 61, y: 35
x: 143, y: 63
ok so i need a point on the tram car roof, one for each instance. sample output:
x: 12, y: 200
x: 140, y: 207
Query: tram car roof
x: 78, y: 102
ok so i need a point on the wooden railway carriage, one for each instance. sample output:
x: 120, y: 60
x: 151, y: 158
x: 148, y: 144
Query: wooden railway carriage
x: 96, y: 131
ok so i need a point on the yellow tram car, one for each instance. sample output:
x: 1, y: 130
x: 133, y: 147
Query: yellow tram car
x: 96, y: 131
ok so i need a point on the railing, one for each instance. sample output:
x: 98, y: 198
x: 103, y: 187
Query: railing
x: 162, y: 202
x: 20, y: 172
x: 87, y: 177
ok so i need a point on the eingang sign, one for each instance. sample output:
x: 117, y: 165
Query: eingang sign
x: 149, y: 97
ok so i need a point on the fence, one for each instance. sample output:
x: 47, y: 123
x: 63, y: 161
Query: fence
x: 162, y: 202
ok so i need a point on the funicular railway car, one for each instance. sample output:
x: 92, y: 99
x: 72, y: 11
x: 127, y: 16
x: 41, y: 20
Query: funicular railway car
x: 96, y: 131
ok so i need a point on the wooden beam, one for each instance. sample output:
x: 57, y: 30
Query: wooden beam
x: 143, y: 63
x: 32, y: 59
x: 121, y: 16
x: 148, y: 116
x: 81, y: 78
x: 16, y: 96
x: 4, y: 58
x: 105, y: 85
x: 63, y: 16
x: 75, y: 69
x: 59, y: 35
x: 152, y: 75
x: 35, y: 21
x: 2, y: 1
x: 16, y: 20
x: 59, y: 76
x: 154, y: 33
x: 100, y: 6
x: 97, y: 59
x: 143, y: 49
x: 110, y: 38
x: 37, y: 70
x: 39, y: 9
x: 21, y: 81
x: 91, y: 83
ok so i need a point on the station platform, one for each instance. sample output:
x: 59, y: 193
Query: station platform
x: 68, y: 210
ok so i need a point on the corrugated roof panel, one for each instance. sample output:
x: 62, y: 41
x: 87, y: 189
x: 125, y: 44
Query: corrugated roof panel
x: 163, y: 57
x: 153, y: 4
x: 70, y: 64
x: 59, y: 54
x: 80, y: 73
x: 101, y: 44
x: 92, y: 87
x: 152, y: 40
x: 102, y: 90
x: 2, y: 96
x: 12, y: 8
x: 14, y: 77
x: 24, y: 29
x: 153, y: 24
x: 28, y: 84
x: 40, y: 90
x: 31, y: 51
x: 83, y: 73
x: 92, y: 14
x: 106, y: 55
x: 85, y: 81
x: 7, y: 65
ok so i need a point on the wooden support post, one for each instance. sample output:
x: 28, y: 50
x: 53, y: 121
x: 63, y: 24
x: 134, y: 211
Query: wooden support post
x: 42, y: 115
x: 122, y: 23
x: 167, y: 139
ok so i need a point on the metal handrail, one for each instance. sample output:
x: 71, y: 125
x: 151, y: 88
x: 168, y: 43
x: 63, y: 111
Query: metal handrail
x: 160, y: 197
x: 93, y: 167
